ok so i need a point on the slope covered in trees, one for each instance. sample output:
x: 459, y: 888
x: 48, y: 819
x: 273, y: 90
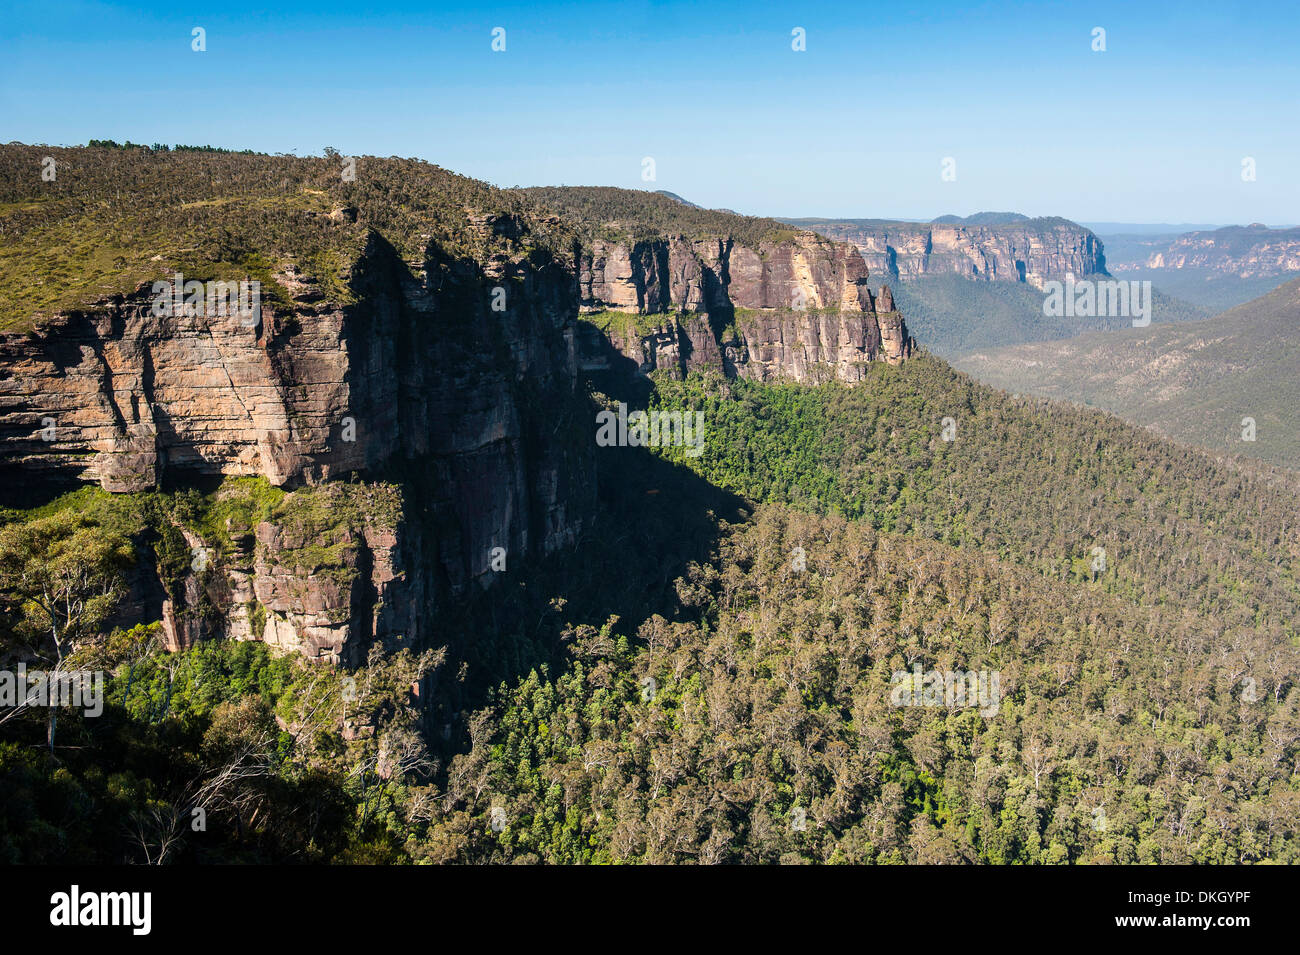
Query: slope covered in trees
x: 757, y: 726
x: 754, y: 721
x: 1194, y: 382
x: 710, y: 676
x: 954, y: 316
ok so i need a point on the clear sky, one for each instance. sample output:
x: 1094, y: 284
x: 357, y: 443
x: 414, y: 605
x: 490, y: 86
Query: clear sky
x: 1154, y: 129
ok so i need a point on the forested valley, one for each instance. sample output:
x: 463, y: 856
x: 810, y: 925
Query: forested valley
x: 710, y: 674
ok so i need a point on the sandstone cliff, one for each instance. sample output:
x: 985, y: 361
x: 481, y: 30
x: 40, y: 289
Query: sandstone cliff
x: 420, y: 404
x: 1243, y: 251
x: 331, y: 571
x: 795, y: 307
x: 1031, y: 251
x: 417, y: 378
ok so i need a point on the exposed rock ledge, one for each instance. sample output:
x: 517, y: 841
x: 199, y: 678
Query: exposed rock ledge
x: 418, y: 375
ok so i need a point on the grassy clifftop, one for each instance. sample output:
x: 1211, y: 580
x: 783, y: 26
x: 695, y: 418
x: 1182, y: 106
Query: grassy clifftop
x: 112, y: 218
x: 605, y: 212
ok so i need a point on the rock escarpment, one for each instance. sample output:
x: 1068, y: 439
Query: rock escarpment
x: 418, y: 377
x: 1030, y: 251
x: 406, y: 413
x: 418, y: 365
x: 1243, y: 251
x: 333, y: 570
x: 797, y: 307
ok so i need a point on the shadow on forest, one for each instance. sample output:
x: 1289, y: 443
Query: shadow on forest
x: 654, y: 519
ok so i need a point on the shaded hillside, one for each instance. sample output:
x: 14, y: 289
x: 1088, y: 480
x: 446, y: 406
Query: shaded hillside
x: 1193, y: 382
x: 754, y: 724
x: 1037, y: 482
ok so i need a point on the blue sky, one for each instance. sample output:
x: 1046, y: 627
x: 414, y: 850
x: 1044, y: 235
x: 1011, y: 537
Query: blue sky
x: 1154, y: 129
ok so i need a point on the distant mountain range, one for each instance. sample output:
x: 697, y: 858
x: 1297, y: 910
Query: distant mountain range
x: 1011, y: 256
x: 982, y: 218
x: 1147, y: 228
x: 1212, y: 268
x: 978, y: 281
x: 1252, y: 251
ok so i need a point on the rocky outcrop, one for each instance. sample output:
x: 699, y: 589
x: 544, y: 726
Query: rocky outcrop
x: 1030, y: 251
x: 417, y: 366
x: 796, y: 308
x: 116, y: 395
x: 327, y: 586
x: 778, y: 344
x: 674, y: 273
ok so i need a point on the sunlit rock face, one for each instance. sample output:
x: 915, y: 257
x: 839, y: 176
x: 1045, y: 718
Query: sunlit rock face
x: 1032, y: 251
x: 798, y: 309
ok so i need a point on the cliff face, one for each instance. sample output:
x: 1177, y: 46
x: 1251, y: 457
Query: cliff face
x: 338, y: 568
x: 117, y: 395
x: 782, y: 344
x: 798, y: 309
x: 418, y: 375
x: 676, y: 273
x: 1031, y: 251
x: 447, y: 372
x: 417, y: 365
x: 1244, y: 251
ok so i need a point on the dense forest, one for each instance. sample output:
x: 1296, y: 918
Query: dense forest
x: 712, y: 674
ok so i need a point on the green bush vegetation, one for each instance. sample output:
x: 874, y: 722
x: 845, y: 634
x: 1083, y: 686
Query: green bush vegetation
x: 706, y: 675
x: 631, y: 215
x: 1194, y: 381
x: 954, y: 316
x: 211, y: 214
